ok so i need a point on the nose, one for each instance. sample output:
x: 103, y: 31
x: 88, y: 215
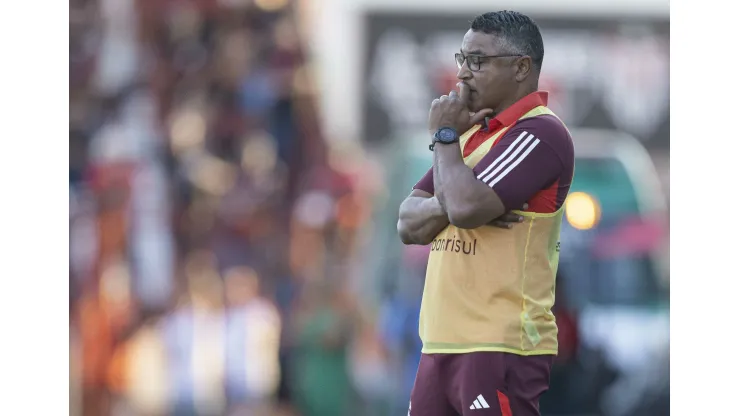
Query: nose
x: 464, y: 73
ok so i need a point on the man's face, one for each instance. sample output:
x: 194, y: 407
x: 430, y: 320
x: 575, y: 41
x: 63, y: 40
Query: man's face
x: 495, y: 81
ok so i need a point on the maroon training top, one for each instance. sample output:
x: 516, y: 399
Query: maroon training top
x: 532, y: 162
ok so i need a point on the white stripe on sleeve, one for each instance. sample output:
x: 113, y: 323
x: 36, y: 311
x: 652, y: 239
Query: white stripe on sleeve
x: 517, y: 150
x: 503, y: 155
x: 517, y: 162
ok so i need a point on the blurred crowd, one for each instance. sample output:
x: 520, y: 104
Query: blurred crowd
x: 213, y: 232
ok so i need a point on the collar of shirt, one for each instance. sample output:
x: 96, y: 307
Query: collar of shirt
x: 505, y: 118
x: 518, y: 109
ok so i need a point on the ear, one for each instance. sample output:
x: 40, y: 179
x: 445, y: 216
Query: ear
x: 523, y: 67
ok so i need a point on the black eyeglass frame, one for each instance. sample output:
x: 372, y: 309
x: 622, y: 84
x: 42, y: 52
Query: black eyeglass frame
x: 460, y: 59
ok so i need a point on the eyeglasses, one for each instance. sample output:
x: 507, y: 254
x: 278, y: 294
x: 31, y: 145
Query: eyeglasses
x: 474, y: 61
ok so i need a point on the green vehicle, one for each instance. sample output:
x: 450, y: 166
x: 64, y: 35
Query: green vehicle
x: 616, y: 218
x: 613, y: 275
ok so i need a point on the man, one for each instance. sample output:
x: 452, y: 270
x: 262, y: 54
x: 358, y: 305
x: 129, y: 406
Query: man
x: 488, y: 332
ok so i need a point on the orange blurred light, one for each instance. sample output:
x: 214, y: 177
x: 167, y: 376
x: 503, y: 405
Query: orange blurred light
x: 582, y: 211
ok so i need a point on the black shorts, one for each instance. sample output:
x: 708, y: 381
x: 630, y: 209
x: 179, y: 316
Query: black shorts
x: 480, y: 383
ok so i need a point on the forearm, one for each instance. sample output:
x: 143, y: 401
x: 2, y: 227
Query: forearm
x: 420, y: 220
x: 468, y: 202
x: 450, y: 176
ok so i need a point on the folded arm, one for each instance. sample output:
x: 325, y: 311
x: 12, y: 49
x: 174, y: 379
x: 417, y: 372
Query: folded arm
x: 509, y: 175
x: 469, y: 203
x: 420, y: 218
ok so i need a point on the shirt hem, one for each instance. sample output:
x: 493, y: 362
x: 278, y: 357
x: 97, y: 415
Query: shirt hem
x: 462, y: 349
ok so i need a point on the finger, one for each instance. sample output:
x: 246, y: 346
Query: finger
x: 510, y: 217
x: 453, y: 94
x: 501, y: 224
x: 480, y: 115
x: 464, y: 91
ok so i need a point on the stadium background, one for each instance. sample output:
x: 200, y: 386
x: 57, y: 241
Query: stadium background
x: 235, y: 171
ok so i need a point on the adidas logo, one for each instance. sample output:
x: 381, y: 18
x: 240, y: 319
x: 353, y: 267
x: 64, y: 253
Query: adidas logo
x: 479, y: 403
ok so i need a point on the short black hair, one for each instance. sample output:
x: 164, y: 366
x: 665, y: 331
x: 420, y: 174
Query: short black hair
x: 517, y: 29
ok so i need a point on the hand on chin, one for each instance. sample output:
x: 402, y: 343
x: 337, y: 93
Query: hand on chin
x: 474, y: 105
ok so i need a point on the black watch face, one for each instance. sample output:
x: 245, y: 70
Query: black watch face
x: 447, y: 135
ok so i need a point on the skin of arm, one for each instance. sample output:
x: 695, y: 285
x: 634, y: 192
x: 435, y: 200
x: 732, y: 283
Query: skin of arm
x: 468, y: 202
x: 421, y: 218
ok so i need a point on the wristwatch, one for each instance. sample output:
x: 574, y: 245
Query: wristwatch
x: 444, y: 135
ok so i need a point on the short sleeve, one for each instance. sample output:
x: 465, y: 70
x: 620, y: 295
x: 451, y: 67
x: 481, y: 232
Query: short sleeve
x: 529, y: 158
x: 426, y: 183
